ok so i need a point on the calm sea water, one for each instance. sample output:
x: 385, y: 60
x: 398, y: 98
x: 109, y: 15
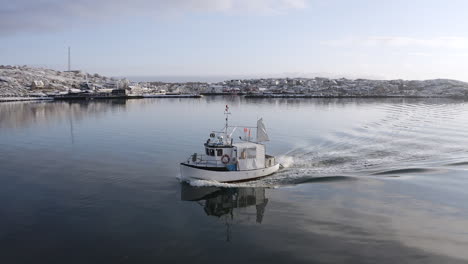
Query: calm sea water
x: 367, y: 181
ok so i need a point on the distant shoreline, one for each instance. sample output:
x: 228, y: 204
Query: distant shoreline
x: 26, y: 82
x: 248, y: 96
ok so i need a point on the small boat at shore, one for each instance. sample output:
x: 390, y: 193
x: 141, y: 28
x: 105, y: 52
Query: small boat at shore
x: 227, y: 161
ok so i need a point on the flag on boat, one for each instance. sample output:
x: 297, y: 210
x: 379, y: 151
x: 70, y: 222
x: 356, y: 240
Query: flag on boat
x: 261, y: 131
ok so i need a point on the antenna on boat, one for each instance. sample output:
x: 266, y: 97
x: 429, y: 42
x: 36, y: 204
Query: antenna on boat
x: 227, y: 113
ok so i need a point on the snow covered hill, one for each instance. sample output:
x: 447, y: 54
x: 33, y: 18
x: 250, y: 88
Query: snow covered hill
x: 24, y: 80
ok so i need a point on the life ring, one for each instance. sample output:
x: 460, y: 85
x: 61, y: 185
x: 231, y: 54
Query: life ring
x: 225, y: 159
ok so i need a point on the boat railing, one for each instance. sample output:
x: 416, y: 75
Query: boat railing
x: 201, y: 161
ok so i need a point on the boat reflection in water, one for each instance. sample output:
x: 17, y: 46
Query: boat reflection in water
x: 233, y: 205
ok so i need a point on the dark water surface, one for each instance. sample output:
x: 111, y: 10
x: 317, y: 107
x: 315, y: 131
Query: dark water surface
x: 367, y: 181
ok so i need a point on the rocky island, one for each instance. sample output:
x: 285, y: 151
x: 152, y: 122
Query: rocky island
x: 31, y: 82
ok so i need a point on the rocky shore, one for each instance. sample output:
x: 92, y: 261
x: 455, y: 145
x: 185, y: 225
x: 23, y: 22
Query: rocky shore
x: 24, y: 82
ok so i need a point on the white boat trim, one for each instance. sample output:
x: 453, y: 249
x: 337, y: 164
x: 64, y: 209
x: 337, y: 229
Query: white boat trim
x: 226, y: 176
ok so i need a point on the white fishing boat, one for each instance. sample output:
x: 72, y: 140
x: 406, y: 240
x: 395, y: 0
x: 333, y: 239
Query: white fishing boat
x: 227, y: 161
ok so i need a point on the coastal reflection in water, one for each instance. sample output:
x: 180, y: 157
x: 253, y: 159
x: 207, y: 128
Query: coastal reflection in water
x: 21, y: 114
x: 365, y: 181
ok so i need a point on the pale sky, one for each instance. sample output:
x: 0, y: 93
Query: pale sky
x: 259, y: 38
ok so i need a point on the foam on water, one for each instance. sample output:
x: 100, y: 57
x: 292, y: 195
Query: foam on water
x: 409, y: 138
x: 205, y: 183
x: 285, y: 160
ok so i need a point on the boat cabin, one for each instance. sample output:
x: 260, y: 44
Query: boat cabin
x: 222, y: 154
x: 224, y: 160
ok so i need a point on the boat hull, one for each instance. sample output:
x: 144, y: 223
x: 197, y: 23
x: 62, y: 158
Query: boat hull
x: 225, y: 176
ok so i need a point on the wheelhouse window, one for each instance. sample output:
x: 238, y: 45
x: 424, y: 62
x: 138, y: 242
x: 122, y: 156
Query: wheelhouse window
x: 212, y: 152
x: 207, y: 151
x: 219, y: 152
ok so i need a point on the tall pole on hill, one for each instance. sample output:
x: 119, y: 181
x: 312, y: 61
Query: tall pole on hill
x: 69, y: 68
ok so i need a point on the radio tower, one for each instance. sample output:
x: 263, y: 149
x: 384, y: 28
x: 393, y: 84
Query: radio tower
x: 69, y: 68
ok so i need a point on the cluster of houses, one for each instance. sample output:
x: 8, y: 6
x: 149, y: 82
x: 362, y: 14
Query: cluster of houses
x: 318, y: 86
x: 339, y: 87
x: 43, y: 88
x: 27, y: 81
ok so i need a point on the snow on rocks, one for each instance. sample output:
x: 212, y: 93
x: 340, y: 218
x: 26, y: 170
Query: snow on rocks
x: 23, y: 80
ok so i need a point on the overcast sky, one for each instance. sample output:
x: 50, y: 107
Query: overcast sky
x: 360, y: 38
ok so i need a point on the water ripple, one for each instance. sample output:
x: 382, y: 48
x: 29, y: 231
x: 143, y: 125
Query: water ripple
x: 411, y: 138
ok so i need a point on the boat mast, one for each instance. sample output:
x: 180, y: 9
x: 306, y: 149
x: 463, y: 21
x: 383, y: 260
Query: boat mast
x: 227, y: 113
